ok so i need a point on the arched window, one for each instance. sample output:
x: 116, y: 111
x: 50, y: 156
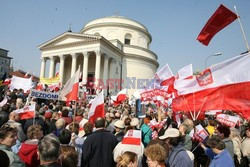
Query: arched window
x: 127, y: 39
x: 97, y: 33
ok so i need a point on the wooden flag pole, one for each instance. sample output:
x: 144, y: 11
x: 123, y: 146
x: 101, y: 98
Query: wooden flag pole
x: 242, y: 30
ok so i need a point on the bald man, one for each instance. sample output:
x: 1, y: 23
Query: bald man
x: 13, y: 121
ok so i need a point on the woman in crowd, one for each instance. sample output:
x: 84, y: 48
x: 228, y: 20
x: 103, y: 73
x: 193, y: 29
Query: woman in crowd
x: 28, y: 150
x: 156, y: 155
x: 8, y: 137
x: 127, y: 159
x: 236, y: 139
x: 60, y: 125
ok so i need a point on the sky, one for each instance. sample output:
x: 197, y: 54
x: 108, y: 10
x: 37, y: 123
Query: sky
x: 173, y: 24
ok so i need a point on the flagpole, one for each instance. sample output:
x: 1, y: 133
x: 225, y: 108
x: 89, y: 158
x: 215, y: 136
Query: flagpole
x: 74, y: 118
x: 242, y: 30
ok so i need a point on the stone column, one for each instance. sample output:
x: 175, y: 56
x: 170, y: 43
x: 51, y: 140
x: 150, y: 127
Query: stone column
x: 105, y: 71
x: 73, y: 65
x: 85, y: 67
x: 97, y: 66
x: 43, y: 65
x: 61, y: 68
x: 52, y: 67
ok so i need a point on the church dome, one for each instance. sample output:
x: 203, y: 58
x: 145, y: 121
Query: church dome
x: 112, y: 26
x: 114, y: 19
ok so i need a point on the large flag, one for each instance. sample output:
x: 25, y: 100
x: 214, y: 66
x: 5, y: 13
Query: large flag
x: 21, y: 83
x: 224, y: 86
x: 26, y: 112
x: 97, y: 108
x: 70, y: 90
x: 219, y: 20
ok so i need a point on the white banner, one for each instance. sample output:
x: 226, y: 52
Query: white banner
x: 43, y: 95
x: 228, y: 120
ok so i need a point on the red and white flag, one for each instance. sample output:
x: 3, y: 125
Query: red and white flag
x: 97, y: 108
x: 21, y: 83
x: 132, y: 137
x: 219, y: 20
x: 164, y: 75
x: 121, y: 96
x: 26, y: 112
x: 184, y: 73
x: 224, y: 86
x: 70, y: 90
x: 200, y: 133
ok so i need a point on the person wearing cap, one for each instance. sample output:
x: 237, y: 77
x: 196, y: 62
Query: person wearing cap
x: 178, y: 155
x: 119, y: 130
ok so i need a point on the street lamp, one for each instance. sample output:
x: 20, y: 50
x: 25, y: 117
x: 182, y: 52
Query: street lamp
x: 216, y: 54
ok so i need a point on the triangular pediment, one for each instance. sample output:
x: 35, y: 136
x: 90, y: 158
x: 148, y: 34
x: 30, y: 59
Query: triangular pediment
x: 68, y: 38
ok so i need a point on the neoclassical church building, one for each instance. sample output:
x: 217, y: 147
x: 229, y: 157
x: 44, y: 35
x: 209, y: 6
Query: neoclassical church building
x: 110, y: 48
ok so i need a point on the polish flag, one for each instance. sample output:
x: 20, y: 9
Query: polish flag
x: 121, y: 96
x: 184, y: 73
x: 200, y: 133
x: 132, y: 137
x: 70, y: 90
x: 97, y: 108
x: 224, y: 86
x: 219, y: 20
x: 26, y: 112
x: 164, y: 75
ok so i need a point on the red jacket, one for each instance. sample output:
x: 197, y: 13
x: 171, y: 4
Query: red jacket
x: 28, y: 153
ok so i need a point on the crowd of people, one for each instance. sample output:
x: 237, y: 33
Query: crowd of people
x: 61, y: 135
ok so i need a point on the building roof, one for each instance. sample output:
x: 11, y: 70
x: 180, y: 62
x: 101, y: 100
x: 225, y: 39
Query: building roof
x: 114, y: 19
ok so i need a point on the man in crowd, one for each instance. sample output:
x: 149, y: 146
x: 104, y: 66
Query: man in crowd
x: 98, y: 147
x: 49, y: 151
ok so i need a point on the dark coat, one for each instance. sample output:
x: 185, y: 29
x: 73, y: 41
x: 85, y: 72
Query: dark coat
x: 98, y: 149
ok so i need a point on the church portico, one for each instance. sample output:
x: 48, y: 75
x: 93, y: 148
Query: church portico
x: 107, y: 49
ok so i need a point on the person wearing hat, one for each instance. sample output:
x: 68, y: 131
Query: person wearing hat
x: 119, y: 130
x: 178, y: 155
x: 135, y: 123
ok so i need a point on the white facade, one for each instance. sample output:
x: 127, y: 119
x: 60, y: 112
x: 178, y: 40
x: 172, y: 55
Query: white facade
x: 110, y: 48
